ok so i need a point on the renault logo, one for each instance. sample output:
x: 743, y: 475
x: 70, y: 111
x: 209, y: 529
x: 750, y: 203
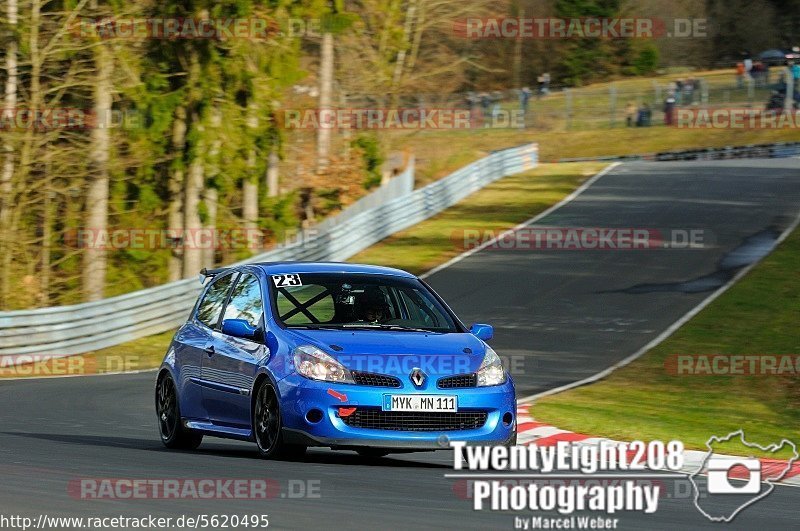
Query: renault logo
x: 417, y: 377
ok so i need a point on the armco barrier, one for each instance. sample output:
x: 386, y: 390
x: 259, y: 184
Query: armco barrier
x: 66, y: 330
x: 753, y: 151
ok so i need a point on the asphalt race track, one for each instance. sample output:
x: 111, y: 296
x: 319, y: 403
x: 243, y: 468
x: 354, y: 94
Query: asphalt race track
x: 562, y: 315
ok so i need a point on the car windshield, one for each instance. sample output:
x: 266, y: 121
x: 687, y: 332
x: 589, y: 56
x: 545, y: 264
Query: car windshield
x: 358, y: 301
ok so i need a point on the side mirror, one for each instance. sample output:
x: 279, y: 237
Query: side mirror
x: 482, y: 331
x: 239, y: 328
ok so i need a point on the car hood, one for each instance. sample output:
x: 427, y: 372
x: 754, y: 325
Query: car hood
x: 397, y: 353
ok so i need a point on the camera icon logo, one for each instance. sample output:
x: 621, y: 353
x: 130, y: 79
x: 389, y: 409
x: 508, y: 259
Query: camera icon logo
x: 725, y: 476
x: 735, y: 482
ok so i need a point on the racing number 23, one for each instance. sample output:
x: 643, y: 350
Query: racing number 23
x: 285, y: 281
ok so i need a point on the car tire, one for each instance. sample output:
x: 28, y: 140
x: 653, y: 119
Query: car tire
x: 267, y: 427
x: 168, y: 412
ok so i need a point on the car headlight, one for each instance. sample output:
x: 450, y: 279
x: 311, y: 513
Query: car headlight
x: 314, y: 364
x: 491, y: 371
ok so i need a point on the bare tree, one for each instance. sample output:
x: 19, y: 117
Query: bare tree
x: 192, y: 192
x: 250, y: 183
x: 10, y: 104
x: 176, y: 178
x: 95, y: 257
x: 211, y: 194
x: 273, y: 172
x: 325, y: 99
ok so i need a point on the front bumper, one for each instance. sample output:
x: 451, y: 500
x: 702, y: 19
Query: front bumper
x: 310, y: 414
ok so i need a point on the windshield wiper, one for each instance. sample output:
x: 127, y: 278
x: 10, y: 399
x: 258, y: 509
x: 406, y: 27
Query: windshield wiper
x: 315, y: 327
x: 382, y: 326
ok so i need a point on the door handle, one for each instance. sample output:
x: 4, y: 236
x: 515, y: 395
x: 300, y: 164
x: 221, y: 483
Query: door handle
x: 210, y: 350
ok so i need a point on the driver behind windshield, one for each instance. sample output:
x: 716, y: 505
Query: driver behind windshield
x: 371, y: 306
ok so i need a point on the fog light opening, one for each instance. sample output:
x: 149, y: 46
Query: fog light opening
x: 508, y: 419
x: 313, y: 416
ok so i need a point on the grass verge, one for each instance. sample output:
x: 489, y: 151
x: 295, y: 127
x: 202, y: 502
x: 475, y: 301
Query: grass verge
x: 499, y: 206
x: 758, y: 315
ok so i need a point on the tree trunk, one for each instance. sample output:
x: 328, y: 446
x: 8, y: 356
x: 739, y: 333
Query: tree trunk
x: 211, y: 194
x: 211, y: 200
x: 9, y: 106
x: 347, y: 134
x: 192, y: 253
x: 415, y: 44
x: 175, y: 209
x: 95, y: 258
x: 325, y: 99
x: 250, y: 186
x: 47, y: 237
x: 399, y: 65
x: 516, y: 64
x: 273, y: 173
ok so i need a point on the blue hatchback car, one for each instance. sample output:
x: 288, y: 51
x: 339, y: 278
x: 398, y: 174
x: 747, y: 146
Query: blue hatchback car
x: 293, y: 354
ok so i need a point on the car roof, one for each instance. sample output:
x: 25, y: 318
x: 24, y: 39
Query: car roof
x: 280, y: 268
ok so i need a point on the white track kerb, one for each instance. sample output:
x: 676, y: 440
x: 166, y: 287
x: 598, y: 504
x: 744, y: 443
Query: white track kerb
x: 531, y: 432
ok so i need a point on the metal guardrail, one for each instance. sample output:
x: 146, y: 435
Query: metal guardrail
x: 67, y: 330
x: 753, y: 151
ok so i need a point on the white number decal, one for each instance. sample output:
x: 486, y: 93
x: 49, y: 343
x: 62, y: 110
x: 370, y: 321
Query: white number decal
x: 284, y: 281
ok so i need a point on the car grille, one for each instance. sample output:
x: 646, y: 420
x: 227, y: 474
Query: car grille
x: 376, y: 419
x: 375, y: 380
x: 460, y: 381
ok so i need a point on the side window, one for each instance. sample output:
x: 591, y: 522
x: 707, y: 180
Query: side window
x: 210, y: 307
x: 246, y: 301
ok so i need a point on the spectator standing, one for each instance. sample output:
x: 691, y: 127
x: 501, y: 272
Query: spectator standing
x: 669, y: 110
x: 524, y: 98
x: 630, y: 114
x: 688, y: 91
x: 544, y: 84
x: 643, y: 116
x: 740, y: 74
x: 485, y: 102
x: 496, y: 97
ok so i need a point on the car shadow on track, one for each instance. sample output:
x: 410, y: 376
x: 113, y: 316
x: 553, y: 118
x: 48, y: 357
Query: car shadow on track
x: 314, y: 456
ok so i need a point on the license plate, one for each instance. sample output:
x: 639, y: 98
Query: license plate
x: 424, y: 403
